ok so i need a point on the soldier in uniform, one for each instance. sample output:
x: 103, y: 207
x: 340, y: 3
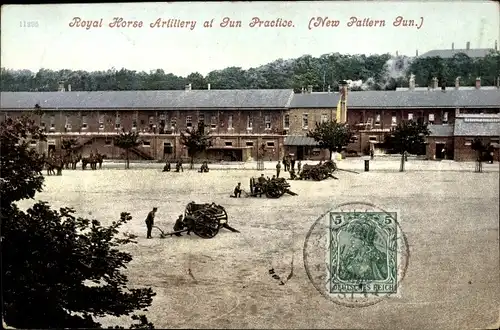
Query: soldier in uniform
x: 179, y: 225
x: 150, y: 220
x: 278, y: 169
x: 292, y: 174
x: 299, y: 166
x: 262, y: 181
x: 237, y: 191
x: 166, y: 168
x: 292, y: 161
x: 189, y: 223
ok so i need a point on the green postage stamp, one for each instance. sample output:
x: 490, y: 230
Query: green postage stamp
x: 362, y: 253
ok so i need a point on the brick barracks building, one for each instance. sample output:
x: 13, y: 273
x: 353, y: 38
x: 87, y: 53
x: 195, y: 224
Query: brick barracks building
x: 242, y: 120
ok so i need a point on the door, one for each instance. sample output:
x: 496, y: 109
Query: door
x: 300, y: 153
x: 439, y: 150
x: 167, y: 150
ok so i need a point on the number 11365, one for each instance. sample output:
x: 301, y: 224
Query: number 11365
x: 28, y: 24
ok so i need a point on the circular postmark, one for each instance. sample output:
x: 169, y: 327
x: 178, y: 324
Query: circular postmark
x: 356, y: 254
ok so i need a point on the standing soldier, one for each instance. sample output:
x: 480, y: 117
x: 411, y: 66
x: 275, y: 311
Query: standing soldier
x: 284, y: 162
x: 293, y: 163
x: 150, y: 221
x: 299, y: 166
x: 278, y: 168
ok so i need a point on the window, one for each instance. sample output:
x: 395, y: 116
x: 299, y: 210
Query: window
x: 445, y: 117
x: 173, y: 122
x: 117, y: 125
x: 468, y: 142
x: 394, y: 119
x: 162, y: 117
x: 229, y: 144
x: 213, y: 122
x: 68, y: 123
x: 249, y: 122
x: 377, y: 118
x: 324, y: 118
x: 151, y: 120
x: 410, y: 116
x: 189, y: 121
x: 286, y: 122
x: 201, y: 119
x: 134, y: 125
x: 146, y: 143
x: 84, y: 122
x: 107, y: 142
x: 270, y: 144
x: 117, y: 121
x: 305, y: 120
x: 52, y: 123
x: 230, y: 122
x: 372, y: 138
x: 249, y: 143
x: 267, y: 121
x: 33, y: 142
x: 354, y: 138
x: 431, y: 118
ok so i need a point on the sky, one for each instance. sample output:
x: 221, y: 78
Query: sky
x: 40, y: 36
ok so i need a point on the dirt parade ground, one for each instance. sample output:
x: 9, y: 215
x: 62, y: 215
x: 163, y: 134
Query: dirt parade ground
x: 451, y: 221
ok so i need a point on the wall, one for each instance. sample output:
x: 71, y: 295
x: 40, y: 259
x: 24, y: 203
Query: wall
x: 431, y: 146
x: 464, y: 152
x: 313, y: 116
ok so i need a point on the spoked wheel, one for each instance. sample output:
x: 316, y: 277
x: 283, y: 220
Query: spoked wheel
x: 274, y: 191
x: 206, y: 226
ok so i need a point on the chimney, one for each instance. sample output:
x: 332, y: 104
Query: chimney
x: 188, y: 87
x: 61, y: 86
x: 329, y: 89
x: 467, y: 45
x: 397, y: 53
x: 309, y: 89
x: 412, y: 82
x: 343, y: 94
x: 478, y: 82
x: 69, y: 87
x: 208, y: 86
x: 434, y: 83
x: 457, y: 83
x: 496, y: 45
x: 452, y: 46
x: 416, y: 53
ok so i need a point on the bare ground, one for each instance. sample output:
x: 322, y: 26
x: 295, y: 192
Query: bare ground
x: 450, y: 219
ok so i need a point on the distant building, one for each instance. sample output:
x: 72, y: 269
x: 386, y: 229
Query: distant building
x: 449, y: 53
x: 242, y: 121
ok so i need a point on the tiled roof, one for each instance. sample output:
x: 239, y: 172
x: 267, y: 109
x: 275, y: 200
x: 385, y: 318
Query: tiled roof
x: 449, y: 53
x: 315, y: 100
x: 299, y: 140
x: 257, y: 98
x: 425, y: 99
x: 441, y: 130
x: 477, y: 126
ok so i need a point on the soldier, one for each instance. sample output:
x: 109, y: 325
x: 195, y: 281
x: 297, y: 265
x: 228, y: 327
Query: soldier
x: 189, y: 223
x: 278, y: 168
x: 292, y: 174
x: 237, y: 191
x: 292, y: 161
x: 166, y: 168
x: 179, y: 225
x: 284, y: 162
x: 262, y: 182
x: 179, y: 166
x: 150, y: 220
x: 299, y: 166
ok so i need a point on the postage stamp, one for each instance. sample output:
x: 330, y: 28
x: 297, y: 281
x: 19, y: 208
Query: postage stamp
x: 356, y: 254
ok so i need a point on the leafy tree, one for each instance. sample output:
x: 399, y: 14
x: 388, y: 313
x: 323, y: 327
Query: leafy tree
x: 127, y: 141
x: 195, y: 141
x: 407, y: 136
x: 69, y: 144
x: 479, y: 147
x: 331, y: 135
x: 58, y: 271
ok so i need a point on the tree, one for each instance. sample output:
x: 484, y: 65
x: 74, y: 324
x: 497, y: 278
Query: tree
x: 331, y: 135
x: 407, y: 136
x: 195, y: 141
x: 58, y: 271
x: 127, y: 141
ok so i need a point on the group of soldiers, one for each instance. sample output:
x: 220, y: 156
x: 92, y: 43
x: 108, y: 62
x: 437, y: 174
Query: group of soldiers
x: 178, y: 166
x: 289, y: 166
x: 182, y: 222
